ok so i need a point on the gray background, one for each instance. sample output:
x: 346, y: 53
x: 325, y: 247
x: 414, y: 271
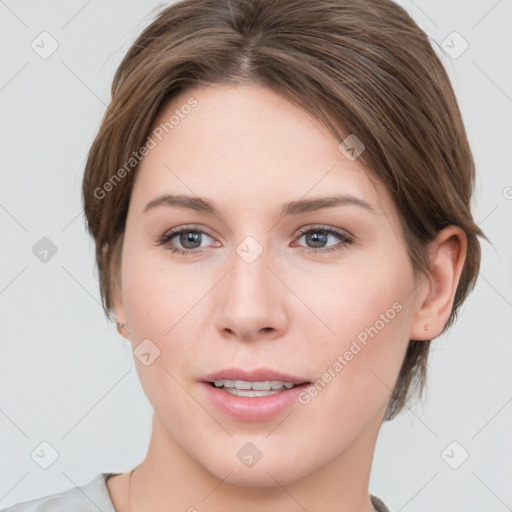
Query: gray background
x: 68, y: 378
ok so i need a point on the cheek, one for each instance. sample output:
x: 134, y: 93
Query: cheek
x: 162, y: 304
x: 365, y: 310
x: 372, y: 337
x: 159, y: 301
x: 157, y: 292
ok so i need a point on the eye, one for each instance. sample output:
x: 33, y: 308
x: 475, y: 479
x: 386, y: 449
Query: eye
x: 319, y: 236
x: 189, y: 238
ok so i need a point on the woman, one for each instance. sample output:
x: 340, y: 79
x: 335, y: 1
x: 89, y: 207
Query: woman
x: 279, y: 195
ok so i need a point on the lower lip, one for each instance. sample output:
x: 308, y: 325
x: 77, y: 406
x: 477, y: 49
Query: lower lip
x: 258, y: 408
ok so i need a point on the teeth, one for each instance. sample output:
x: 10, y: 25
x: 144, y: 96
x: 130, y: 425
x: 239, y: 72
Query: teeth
x: 242, y: 384
x: 268, y: 385
x: 260, y: 386
x: 252, y: 392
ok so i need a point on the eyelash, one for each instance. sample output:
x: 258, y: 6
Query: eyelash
x: 169, y: 235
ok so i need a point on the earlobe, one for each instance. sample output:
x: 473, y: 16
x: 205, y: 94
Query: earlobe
x: 118, y: 306
x: 119, y: 312
x: 121, y: 327
x: 436, y: 294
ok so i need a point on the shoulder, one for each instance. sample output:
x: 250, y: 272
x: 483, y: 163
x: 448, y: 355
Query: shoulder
x: 86, y: 498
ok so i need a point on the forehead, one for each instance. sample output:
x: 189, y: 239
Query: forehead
x: 247, y: 143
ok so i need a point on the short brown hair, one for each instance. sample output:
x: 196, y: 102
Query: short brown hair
x: 360, y: 67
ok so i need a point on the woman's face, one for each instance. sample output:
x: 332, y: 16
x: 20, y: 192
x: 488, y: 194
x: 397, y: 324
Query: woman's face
x: 276, y: 277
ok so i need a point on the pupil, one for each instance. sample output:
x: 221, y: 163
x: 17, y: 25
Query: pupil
x: 315, y: 238
x: 190, y: 236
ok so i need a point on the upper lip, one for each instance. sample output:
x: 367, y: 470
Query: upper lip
x: 256, y: 375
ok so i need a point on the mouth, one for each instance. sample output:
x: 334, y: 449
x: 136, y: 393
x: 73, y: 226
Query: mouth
x: 253, y: 383
x: 252, y: 395
x: 254, y: 388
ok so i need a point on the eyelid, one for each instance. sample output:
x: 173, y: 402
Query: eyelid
x: 345, y: 238
x: 323, y: 227
x: 171, y: 233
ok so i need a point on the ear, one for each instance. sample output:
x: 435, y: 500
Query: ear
x: 117, y: 290
x: 118, y: 307
x: 436, y: 293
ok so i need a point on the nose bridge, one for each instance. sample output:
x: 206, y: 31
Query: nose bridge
x: 250, y: 301
x: 249, y: 281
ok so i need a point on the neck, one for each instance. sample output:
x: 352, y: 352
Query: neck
x: 169, y: 478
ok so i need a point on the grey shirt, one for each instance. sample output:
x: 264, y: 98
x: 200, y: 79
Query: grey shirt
x: 94, y: 496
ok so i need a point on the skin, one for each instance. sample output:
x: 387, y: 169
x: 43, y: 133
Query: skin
x: 249, y: 150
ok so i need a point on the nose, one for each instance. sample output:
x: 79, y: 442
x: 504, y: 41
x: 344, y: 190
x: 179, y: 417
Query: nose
x: 252, y: 300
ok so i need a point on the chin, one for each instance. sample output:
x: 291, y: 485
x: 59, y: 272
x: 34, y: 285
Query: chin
x: 264, y: 476
x: 275, y: 467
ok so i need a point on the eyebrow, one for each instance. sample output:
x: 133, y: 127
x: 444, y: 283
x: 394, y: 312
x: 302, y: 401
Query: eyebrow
x: 201, y: 204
